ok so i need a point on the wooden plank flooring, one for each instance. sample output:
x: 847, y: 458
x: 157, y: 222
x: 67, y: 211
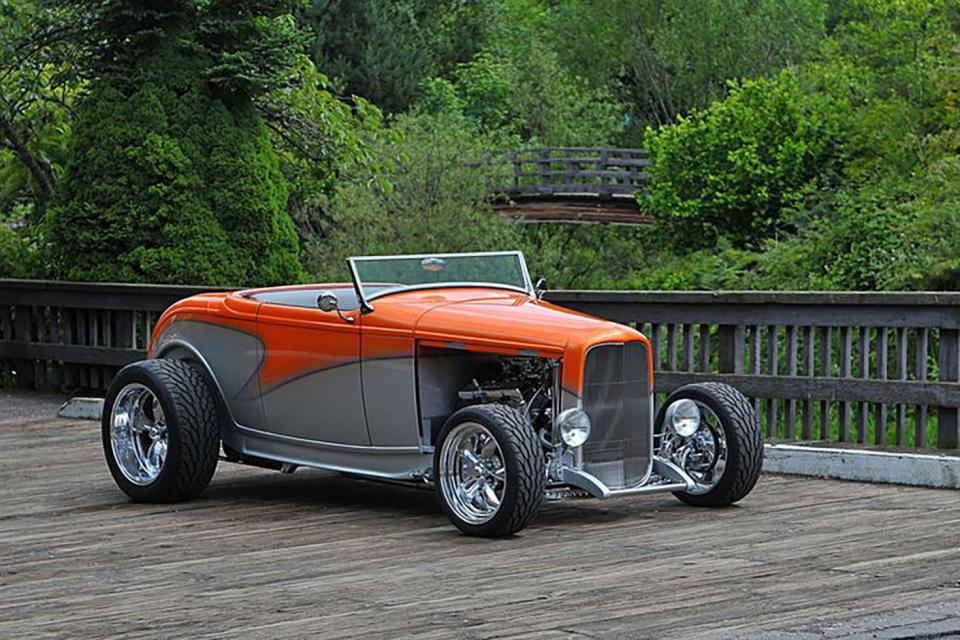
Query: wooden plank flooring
x: 262, y: 555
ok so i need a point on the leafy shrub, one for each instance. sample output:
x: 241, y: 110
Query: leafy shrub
x: 738, y: 168
x: 168, y: 183
x: 593, y: 256
x: 864, y: 240
x: 16, y: 255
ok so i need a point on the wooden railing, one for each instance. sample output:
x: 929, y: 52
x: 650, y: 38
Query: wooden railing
x: 880, y: 368
x: 576, y: 171
x: 872, y: 368
x: 76, y: 335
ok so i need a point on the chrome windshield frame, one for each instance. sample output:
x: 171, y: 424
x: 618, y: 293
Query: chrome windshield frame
x: 365, y: 300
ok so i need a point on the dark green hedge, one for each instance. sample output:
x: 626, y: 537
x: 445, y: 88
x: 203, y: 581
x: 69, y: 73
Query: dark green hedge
x: 168, y: 182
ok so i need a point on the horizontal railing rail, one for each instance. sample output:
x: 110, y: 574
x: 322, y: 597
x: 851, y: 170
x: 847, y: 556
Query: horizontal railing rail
x: 869, y: 368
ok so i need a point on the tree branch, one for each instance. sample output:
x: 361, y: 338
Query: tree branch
x: 40, y: 172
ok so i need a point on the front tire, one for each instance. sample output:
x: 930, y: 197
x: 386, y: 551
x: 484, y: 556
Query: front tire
x: 489, y: 470
x: 160, y: 431
x: 729, y: 429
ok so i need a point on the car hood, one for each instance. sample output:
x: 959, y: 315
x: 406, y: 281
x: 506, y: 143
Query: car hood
x: 513, y: 321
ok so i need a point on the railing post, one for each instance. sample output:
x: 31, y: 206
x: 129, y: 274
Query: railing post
x: 948, y: 424
x: 602, y: 163
x: 731, y: 348
x: 543, y: 168
x: 23, y: 332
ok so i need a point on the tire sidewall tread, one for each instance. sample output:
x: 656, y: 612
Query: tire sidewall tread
x: 744, y: 441
x: 193, y: 430
x: 523, y: 460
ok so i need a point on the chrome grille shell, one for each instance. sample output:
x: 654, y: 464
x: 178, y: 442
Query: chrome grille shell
x: 617, y: 397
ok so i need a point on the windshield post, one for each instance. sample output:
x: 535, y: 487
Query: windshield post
x: 365, y: 307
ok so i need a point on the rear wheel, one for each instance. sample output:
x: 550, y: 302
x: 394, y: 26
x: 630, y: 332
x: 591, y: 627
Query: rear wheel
x: 724, y: 455
x: 489, y: 470
x: 160, y: 431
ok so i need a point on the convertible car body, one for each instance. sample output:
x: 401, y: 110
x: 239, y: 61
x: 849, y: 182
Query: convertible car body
x: 432, y: 369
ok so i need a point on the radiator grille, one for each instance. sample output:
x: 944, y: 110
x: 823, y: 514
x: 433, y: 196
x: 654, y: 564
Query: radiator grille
x: 616, y: 396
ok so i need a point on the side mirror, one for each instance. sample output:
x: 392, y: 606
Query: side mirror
x: 540, y: 288
x: 328, y: 301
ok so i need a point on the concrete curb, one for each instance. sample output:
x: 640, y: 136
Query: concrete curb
x: 915, y: 469
x: 81, y: 409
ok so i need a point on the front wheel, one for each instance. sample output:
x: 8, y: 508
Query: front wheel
x: 489, y: 470
x: 160, y: 431
x: 722, y: 452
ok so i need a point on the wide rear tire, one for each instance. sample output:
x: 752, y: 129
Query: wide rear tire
x: 160, y: 431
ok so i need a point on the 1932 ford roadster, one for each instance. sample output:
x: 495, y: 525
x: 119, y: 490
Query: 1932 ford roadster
x: 445, y: 369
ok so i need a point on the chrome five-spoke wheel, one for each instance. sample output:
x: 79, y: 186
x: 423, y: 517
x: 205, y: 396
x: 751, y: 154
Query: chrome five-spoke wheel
x: 488, y: 469
x: 160, y: 430
x: 138, y: 434
x: 472, y: 473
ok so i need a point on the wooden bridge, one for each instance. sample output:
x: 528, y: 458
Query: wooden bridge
x: 573, y: 184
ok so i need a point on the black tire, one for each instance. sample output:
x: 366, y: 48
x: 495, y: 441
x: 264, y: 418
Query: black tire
x: 193, y: 432
x: 523, y: 463
x: 744, y: 442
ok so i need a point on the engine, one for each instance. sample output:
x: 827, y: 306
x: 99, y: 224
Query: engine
x: 524, y: 382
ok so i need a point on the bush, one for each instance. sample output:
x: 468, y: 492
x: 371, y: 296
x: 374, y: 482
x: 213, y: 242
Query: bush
x: 167, y: 183
x: 592, y: 256
x: 16, y: 256
x: 863, y: 241
x: 737, y: 169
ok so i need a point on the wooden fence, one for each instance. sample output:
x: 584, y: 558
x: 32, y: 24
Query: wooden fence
x: 851, y: 367
x: 76, y: 335
x: 879, y: 368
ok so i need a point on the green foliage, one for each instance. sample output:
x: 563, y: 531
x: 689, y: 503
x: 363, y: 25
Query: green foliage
x: 167, y: 182
x: 384, y: 50
x: 738, y: 168
x: 16, y: 255
x: 526, y: 93
x: 669, y: 58
x: 319, y: 138
x: 37, y: 89
x: 797, y: 143
x: 435, y: 198
x: 517, y: 85
x: 572, y: 256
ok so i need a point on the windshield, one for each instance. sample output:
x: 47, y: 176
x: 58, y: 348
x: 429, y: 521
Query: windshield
x: 378, y: 276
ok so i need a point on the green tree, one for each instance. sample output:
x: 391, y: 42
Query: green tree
x: 38, y: 84
x: 666, y: 59
x: 738, y: 169
x: 172, y: 175
x: 516, y: 84
x: 384, y: 50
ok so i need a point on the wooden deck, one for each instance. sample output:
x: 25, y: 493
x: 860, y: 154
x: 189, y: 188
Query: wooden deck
x: 262, y: 555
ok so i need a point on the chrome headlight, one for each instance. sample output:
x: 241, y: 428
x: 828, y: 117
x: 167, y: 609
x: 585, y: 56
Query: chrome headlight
x: 683, y: 416
x: 574, y: 425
